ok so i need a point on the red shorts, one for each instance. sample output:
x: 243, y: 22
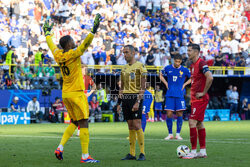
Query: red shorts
x: 198, y: 110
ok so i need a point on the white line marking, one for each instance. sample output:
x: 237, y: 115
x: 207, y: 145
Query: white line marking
x: 224, y: 141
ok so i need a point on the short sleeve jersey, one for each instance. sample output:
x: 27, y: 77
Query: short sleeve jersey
x: 198, y: 70
x: 176, y: 78
x: 131, y: 77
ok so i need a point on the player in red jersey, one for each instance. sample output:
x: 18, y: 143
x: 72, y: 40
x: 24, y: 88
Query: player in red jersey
x: 201, y: 80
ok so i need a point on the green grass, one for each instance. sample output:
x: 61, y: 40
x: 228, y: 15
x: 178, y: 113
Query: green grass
x: 228, y: 144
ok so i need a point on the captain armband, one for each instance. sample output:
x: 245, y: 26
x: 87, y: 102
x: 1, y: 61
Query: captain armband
x: 205, y: 69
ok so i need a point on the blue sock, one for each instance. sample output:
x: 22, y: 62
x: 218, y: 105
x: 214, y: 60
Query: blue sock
x: 159, y: 114
x: 179, y: 124
x: 170, y: 125
x: 155, y: 114
x: 143, y: 122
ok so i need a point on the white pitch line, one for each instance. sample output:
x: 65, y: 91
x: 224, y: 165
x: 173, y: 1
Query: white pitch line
x: 224, y: 141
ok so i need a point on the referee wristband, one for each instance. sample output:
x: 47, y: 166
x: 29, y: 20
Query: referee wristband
x: 119, y: 101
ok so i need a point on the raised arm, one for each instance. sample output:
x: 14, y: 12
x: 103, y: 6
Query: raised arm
x: 47, y: 31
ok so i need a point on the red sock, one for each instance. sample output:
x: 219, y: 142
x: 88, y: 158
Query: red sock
x: 78, y: 127
x: 193, y: 138
x: 202, y: 138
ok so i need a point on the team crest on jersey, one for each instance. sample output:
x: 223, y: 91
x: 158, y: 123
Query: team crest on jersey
x: 132, y: 75
x: 181, y: 73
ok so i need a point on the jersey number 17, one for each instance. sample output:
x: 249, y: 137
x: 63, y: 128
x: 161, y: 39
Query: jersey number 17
x: 175, y: 78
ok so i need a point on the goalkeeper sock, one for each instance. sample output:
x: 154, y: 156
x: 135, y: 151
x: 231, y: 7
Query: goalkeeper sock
x: 67, y: 134
x: 140, y: 136
x: 84, y: 139
x: 132, y: 141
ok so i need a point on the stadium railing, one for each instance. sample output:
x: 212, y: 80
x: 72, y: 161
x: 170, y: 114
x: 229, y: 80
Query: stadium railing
x: 113, y: 69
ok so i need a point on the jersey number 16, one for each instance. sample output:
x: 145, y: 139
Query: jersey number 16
x: 65, y: 69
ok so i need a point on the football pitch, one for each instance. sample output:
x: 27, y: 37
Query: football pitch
x: 228, y: 144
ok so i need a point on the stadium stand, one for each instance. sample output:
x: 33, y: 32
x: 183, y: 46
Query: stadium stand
x: 158, y: 29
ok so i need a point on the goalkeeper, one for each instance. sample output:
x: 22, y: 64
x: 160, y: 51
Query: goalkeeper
x: 73, y: 95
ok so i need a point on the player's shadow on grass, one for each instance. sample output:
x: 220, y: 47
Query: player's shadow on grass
x: 54, y: 133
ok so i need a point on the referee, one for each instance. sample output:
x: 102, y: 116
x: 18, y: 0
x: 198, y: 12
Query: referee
x: 133, y: 78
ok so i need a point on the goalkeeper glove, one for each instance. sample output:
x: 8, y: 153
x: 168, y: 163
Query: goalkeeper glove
x: 47, y: 28
x: 96, y: 23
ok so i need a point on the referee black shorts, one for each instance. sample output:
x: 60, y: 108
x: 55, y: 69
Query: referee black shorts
x: 128, y: 102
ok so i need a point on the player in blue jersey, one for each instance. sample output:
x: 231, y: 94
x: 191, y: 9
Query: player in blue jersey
x: 147, y: 100
x: 176, y: 76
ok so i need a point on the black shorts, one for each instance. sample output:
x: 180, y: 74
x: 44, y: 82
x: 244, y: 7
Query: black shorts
x: 128, y: 102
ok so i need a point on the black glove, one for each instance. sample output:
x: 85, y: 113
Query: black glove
x: 47, y: 28
x: 96, y: 23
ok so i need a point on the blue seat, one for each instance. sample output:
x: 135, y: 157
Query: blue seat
x: 224, y: 114
x: 211, y: 114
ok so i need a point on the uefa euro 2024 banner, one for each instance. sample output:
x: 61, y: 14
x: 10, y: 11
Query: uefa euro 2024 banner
x: 14, y: 118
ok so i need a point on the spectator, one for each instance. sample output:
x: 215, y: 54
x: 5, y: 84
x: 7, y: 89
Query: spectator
x: 150, y: 59
x: 46, y: 57
x: 234, y: 96
x: 119, y: 44
x: 28, y: 85
x: 57, y: 108
x: 16, y: 84
x: 218, y: 60
x: 225, y: 46
x: 27, y: 72
x: 11, y: 56
x: 113, y: 107
x: 15, y: 40
x: 95, y: 109
x: 40, y: 72
x: 89, y: 84
x: 102, y: 97
x: 87, y: 57
x: 244, y: 112
x: 39, y: 56
x: 142, y: 5
x: 120, y: 27
x: 33, y: 108
x: 14, y: 106
x: 157, y: 57
x: 228, y: 93
x: 2, y: 80
x: 50, y: 72
x: 234, y: 45
x: 18, y: 72
x: 3, y: 51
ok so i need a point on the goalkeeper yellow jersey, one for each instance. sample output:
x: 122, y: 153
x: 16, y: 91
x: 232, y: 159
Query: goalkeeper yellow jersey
x: 70, y: 66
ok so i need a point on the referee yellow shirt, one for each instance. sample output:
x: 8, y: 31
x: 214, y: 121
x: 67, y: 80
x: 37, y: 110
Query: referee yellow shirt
x: 131, y: 77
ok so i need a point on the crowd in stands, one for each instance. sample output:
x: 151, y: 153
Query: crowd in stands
x: 158, y: 29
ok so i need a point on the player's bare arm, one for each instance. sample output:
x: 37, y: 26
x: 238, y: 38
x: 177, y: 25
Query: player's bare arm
x: 186, y: 83
x: 163, y: 80
x: 92, y: 90
x: 209, y: 81
x: 141, y: 93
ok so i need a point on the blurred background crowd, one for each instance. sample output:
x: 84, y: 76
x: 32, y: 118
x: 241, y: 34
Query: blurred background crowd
x: 158, y: 29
